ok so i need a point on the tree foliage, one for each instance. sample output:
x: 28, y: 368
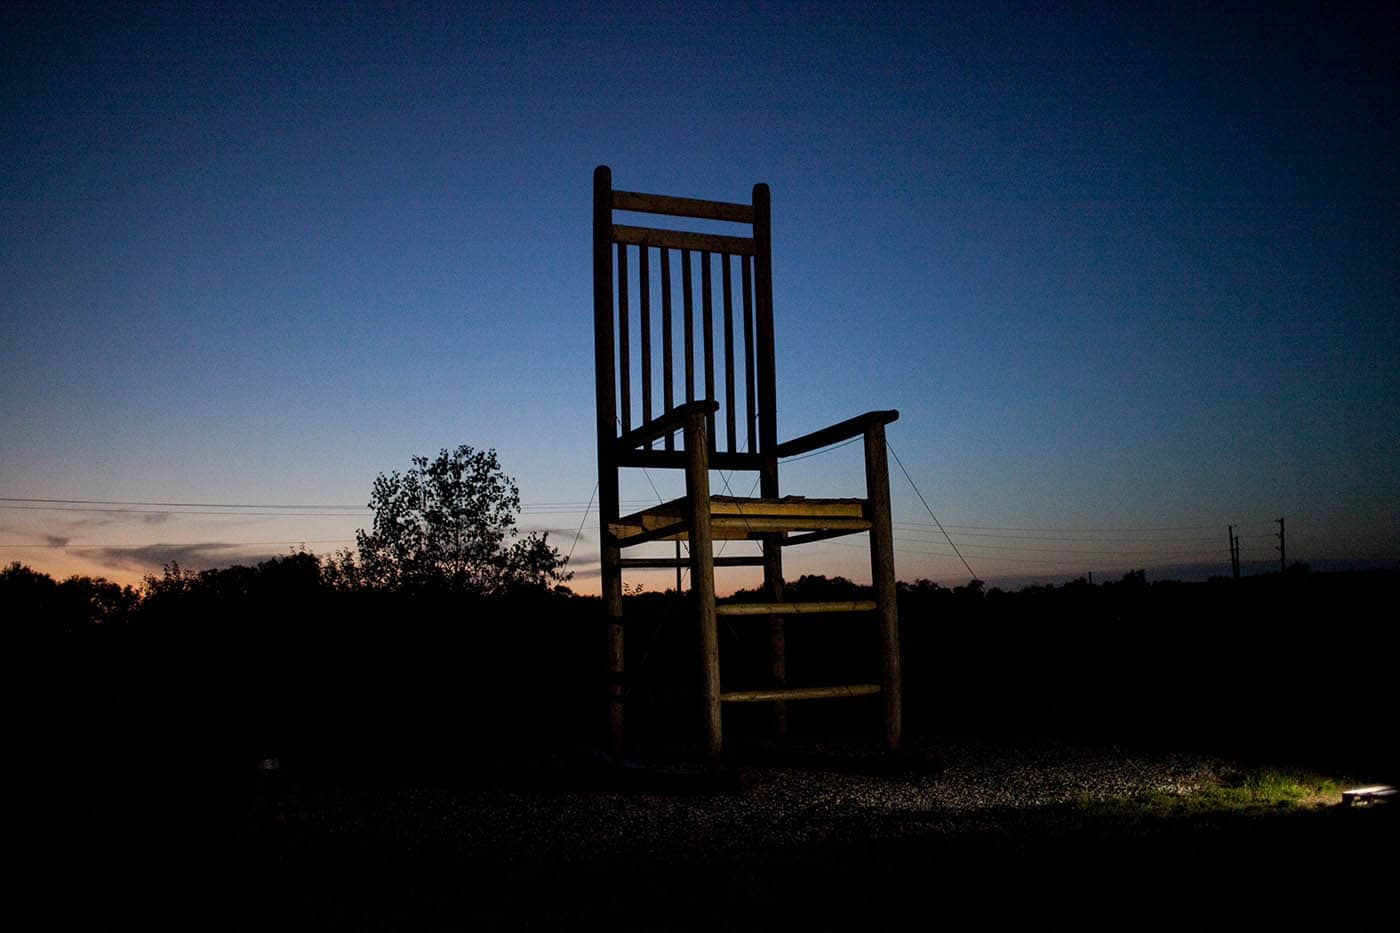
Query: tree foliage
x: 35, y: 600
x: 448, y: 523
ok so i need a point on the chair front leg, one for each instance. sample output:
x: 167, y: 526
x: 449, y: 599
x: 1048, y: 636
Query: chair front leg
x: 877, y: 489
x: 702, y: 575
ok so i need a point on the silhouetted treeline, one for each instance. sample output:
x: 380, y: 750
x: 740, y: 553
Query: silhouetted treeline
x: 271, y: 660
x: 37, y: 604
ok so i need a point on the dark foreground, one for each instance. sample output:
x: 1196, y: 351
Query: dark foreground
x: 826, y: 839
x: 423, y: 782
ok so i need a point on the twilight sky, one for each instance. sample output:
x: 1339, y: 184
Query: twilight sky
x: 1129, y: 273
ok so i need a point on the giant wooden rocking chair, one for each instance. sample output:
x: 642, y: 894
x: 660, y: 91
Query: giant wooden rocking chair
x: 692, y: 412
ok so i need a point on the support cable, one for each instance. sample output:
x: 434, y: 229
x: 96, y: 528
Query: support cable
x: 579, y: 534
x: 949, y: 537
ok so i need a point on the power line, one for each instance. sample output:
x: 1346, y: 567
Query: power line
x: 1124, y: 530
x: 168, y: 544
x: 548, y: 506
x: 1146, y: 537
x: 545, y: 506
x: 179, y: 511
x: 193, y: 505
x: 1020, y: 537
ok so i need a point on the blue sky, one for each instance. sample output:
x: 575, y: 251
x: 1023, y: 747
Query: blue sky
x: 1127, y: 267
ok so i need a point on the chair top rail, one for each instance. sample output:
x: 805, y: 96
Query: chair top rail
x: 682, y: 207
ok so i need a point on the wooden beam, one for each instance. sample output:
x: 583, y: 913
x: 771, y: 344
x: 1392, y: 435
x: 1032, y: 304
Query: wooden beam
x: 799, y: 693
x: 624, y: 353
x: 795, y: 609
x: 626, y: 534
x: 668, y: 355
x: 606, y: 391
x: 845, y: 430
x: 750, y: 394
x: 755, y: 560
x: 702, y: 578
x: 724, y: 527
x: 758, y: 524
x: 682, y: 239
x: 808, y: 538
x: 707, y: 334
x: 672, y: 421
x: 735, y: 506
x: 731, y: 429
x: 877, y: 489
x: 675, y: 460
x: 682, y: 207
x: 788, y: 505
x: 644, y: 310
x: 738, y: 519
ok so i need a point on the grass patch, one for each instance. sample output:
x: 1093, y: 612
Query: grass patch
x: 1253, y: 792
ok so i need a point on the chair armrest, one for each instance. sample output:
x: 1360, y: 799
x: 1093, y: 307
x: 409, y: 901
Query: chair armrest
x: 673, y: 420
x: 849, y: 428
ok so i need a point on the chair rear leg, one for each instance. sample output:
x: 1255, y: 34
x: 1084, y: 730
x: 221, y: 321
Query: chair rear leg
x: 612, y: 602
x: 777, y: 633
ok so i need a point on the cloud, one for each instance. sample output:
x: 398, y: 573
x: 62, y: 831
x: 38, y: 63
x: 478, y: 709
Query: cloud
x: 585, y: 566
x: 566, y: 534
x: 198, y: 556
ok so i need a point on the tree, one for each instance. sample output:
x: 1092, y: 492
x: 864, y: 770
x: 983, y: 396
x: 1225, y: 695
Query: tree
x: 449, y: 523
x: 40, y: 604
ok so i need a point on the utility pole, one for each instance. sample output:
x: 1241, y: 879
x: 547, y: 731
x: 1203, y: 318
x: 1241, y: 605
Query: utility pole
x: 1234, y: 552
x: 1282, y: 554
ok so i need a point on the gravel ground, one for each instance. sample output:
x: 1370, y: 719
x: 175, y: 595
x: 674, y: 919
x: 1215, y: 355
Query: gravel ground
x: 785, y: 846
x: 774, y: 807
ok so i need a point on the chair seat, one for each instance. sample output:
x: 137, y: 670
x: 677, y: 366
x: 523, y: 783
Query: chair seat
x: 735, y: 518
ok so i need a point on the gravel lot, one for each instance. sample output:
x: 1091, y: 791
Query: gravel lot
x: 546, y: 843
x: 773, y: 808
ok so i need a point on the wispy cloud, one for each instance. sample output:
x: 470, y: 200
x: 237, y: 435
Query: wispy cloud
x: 556, y: 534
x: 585, y: 566
x: 197, y: 556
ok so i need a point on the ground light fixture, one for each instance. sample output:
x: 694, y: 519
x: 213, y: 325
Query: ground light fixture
x: 1366, y: 796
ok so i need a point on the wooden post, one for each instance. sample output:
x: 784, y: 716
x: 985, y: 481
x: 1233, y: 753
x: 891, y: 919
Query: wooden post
x: 777, y: 635
x: 877, y: 489
x: 765, y: 365
x: 610, y: 555
x: 702, y: 575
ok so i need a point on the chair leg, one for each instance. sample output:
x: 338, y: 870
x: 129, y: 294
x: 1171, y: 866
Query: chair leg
x: 777, y: 635
x: 877, y: 484
x: 612, y: 603
x: 702, y: 580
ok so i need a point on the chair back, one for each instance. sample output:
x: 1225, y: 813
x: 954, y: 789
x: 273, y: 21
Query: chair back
x: 680, y: 316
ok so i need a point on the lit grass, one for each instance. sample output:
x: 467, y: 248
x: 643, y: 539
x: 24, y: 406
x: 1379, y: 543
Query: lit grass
x: 1254, y: 792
